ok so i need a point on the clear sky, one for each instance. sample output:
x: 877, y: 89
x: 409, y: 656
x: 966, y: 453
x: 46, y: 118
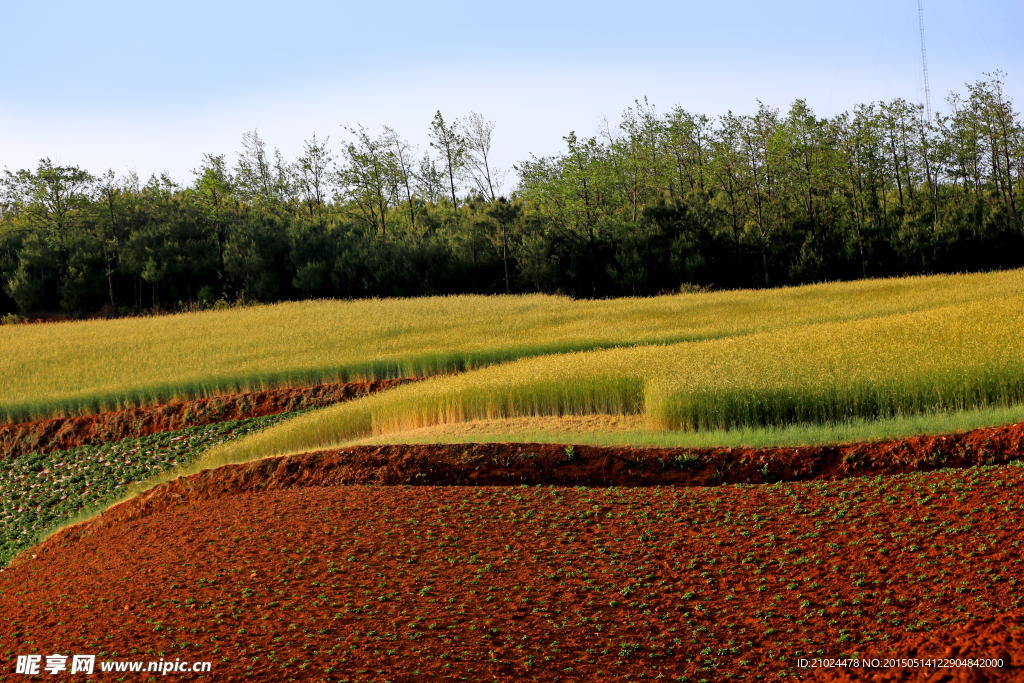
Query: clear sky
x: 153, y: 86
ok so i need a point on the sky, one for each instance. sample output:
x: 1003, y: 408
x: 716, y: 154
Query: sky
x: 151, y: 87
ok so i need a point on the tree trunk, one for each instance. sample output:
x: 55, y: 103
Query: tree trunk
x: 504, y: 258
x: 110, y: 283
x: 764, y: 258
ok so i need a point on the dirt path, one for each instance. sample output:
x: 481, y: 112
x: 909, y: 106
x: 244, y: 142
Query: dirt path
x: 62, y: 433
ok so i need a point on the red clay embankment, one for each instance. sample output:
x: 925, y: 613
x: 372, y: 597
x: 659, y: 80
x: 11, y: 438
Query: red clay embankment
x: 68, y: 432
x: 497, y: 464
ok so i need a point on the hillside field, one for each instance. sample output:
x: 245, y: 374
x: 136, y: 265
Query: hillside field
x: 92, y: 366
x: 696, y: 488
x: 407, y: 583
x: 957, y: 357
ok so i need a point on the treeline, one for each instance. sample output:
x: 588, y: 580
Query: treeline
x: 657, y: 203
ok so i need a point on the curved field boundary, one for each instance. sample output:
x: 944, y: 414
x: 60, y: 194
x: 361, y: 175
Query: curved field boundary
x: 496, y: 464
x: 62, y: 433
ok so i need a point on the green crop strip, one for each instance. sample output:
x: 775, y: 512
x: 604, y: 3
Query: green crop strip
x: 42, y: 491
x: 852, y: 431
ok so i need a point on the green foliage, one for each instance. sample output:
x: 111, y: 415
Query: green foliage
x: 12, y: 319
x: 40, y: 492
x: 658, y: 202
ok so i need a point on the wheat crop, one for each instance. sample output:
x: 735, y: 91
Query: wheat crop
x: 91, y: 366
x: 953, y: 358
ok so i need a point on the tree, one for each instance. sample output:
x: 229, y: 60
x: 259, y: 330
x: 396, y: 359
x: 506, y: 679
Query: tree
x: 251, y: 257
x: 214, y: 190
x: 476, y: 133
x: 896, y: 120
x: 172, y: 249
x: 634, y: 155
x: 809, y: 160
x: 258, y: 178
x: 962, y: 144
x: 53, y: 201
x: 451, y: 147
x: 400, y: 152
x: 505, y: 214
x: 430, y: 180
x: 25, y: 277
x: 367, y: 178
x: 54, y: 198
x: 926, y: 151
x: 856, y: 142
x: 572, y: 192
x: 311, y: 173
x: 726, y: 169
x: 688, y: 141
x: 760, y: 145
x: 648, y: 202
x: 1002, y: 131
x: 111, y: 228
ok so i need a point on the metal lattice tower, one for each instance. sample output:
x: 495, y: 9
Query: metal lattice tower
x: 924, y: 61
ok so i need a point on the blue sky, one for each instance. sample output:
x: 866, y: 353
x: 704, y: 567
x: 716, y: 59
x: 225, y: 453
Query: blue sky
x: 152, y: 86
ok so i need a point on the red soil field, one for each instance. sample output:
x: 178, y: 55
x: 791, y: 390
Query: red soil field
x: 999, y: 637
x: 62, y: 433
x: 411, y: 583
x: 554, y: 464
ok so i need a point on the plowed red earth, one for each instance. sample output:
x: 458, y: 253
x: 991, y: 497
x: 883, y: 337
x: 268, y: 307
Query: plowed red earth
x: 321, y: 581
x: 993, y: 638
x: 62, y: 433
x: 554, y: 464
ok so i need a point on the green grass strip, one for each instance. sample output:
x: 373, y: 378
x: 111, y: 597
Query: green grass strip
x: 854, y: 431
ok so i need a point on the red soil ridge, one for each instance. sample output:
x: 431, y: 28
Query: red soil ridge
x: 497, y: 464
x: 68, y: 432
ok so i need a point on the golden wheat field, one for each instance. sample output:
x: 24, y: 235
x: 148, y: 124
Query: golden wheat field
x: 90, y: 366
x: 952, y: 358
